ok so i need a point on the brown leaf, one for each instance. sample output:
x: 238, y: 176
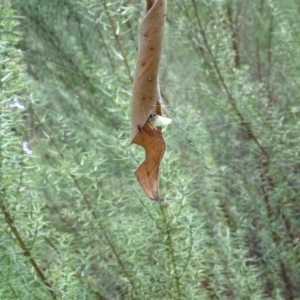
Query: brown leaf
x: 146, y: 86
x: 146, y: 97
x: 151, y: 138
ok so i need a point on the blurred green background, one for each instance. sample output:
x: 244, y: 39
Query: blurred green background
x: 75, y: 223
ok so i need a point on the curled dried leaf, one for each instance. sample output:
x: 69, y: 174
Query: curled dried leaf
x: 146, y: 91
x: 146, y: 95
x: 151, y: 139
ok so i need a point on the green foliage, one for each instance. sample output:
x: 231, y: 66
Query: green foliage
x: 21, y: 217
x: 75, y: 224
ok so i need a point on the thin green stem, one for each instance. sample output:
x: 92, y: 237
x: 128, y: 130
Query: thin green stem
x: 171, y: 249
x: 245, y: 124
x: 117, y: 38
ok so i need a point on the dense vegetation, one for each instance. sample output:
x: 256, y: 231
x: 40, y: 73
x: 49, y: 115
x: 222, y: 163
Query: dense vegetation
x: 75, y: 224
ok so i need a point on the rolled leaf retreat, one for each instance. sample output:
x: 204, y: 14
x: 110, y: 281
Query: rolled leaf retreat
x: 146, y: 120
